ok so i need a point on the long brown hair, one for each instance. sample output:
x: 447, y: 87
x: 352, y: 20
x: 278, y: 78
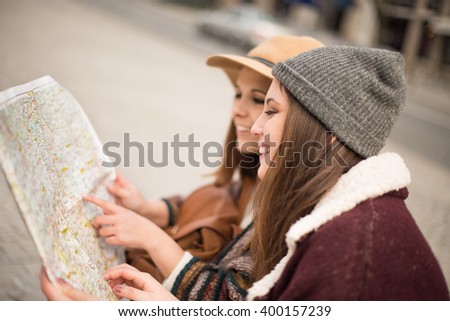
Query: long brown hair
x: 234, y: 160
x: 295, y: 183
x: 246, y: 165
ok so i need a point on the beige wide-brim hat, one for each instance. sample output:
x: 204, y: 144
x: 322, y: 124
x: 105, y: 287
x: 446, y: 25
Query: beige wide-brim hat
x: 265, y: 56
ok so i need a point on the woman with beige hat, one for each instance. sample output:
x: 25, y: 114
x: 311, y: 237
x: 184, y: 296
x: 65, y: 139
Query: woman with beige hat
x: 250, y: 76
x: 227, y: 275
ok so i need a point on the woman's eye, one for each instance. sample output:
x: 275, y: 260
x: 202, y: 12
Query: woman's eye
x: 238, y: 96
x: 270, y: 112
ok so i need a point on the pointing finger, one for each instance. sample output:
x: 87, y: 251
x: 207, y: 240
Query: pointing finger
x: 107, y: 206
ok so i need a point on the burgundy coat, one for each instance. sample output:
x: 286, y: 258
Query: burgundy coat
x: 374, y: 251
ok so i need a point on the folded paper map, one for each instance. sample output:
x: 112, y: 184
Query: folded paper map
x: 52, y: 157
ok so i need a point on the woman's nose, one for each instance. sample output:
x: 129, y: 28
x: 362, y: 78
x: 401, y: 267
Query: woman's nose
x: 239, y: 109
x: 257, y: 128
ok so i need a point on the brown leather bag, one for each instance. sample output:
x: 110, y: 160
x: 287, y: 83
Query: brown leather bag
x: 208, y: 220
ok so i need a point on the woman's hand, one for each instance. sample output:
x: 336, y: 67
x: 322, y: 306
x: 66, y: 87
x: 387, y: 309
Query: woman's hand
x: 129, y: 197
x: 63, y: 292
x: 128, y: 282
x: 125, y: 281
x: 121, y: 226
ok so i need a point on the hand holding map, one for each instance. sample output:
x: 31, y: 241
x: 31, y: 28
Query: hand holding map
x: 52, y: 157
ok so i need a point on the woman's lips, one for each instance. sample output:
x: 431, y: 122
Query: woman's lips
x: 242, y: 129
x: 263, y: 149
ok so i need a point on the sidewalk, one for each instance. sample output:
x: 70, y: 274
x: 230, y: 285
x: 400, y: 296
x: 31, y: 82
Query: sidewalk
x: 430, y: 94
x: 129, y: 80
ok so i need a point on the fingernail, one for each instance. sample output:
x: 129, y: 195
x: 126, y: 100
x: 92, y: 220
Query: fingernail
x: 118, y: 289
x: 61, y: 281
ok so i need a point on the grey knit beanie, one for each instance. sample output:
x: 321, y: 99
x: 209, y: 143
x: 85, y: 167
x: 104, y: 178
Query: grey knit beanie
x: 357, y: 93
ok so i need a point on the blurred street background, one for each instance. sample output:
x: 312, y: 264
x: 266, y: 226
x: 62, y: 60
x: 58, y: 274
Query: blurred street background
x: 138, y: 67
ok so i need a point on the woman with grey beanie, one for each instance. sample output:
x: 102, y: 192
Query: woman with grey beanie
x: 331, y: 219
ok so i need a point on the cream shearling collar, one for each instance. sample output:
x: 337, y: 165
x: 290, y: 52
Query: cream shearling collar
x: 370, y: 178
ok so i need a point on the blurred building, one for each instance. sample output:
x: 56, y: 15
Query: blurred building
x: 420, y: 29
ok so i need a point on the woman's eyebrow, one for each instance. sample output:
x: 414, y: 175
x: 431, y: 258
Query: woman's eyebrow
x: 259, y: 91
x: 271, y: 100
